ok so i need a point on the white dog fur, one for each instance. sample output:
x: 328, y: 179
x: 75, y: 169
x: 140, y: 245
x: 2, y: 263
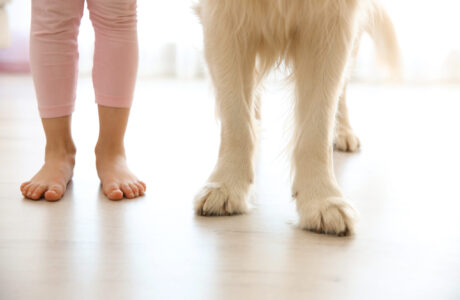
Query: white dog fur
x: 318, y: 40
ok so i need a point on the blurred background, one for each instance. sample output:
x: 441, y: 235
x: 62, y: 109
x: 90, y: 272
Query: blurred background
x: 171, y: 41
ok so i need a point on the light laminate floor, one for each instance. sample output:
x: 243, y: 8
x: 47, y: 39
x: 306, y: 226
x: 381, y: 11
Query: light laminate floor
x: 405, y: 183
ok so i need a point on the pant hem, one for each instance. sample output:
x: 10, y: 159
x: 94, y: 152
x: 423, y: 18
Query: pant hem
x: 117, y: 102
x: 56, y: 112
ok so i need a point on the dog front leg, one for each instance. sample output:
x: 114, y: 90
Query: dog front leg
x: 231, y: 65
x: 319, y: 66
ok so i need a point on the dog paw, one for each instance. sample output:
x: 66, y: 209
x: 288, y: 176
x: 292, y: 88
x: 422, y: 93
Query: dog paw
x: 330, y: 216
x: 346, y: 141
x: 215, y: 199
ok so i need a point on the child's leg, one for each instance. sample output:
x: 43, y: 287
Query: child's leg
x: 114, y: 76
x: 117, y: 180
x: 54, y: 54
x: 54, y: 57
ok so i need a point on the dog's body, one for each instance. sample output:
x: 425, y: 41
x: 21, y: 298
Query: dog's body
x: 317, y: 39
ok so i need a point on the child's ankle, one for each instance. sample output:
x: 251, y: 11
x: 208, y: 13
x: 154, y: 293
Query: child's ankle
x: 60, y: 148
x: 109, y: 148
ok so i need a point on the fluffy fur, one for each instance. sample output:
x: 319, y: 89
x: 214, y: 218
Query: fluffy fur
x: 318, y: 40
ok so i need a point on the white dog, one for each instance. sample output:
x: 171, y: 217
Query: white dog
x: 318, y: 40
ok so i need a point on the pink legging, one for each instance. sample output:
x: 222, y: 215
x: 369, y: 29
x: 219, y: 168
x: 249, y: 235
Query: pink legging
x: 54, y: 53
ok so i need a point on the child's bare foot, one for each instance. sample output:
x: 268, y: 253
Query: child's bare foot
x: 116, y: 178
x: 52, y: 179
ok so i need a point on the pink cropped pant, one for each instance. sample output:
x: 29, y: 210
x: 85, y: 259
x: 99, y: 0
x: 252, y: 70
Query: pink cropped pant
x: 54, y: 53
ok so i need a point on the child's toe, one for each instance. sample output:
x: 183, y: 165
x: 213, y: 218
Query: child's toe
x: 38, y: 192
x: 140, y: 188
x: 135, y: 189
x: 30, y: 190
x: 23, y: 186
x: 115, y: 195
x: 127, y: 191
x: 54, y: 193
x: 112, y: 191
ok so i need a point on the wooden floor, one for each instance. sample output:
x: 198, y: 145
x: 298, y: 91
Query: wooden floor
x: 405, y: 183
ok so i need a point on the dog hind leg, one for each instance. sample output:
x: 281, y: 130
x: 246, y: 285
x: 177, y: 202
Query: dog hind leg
x: 345, y: 138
